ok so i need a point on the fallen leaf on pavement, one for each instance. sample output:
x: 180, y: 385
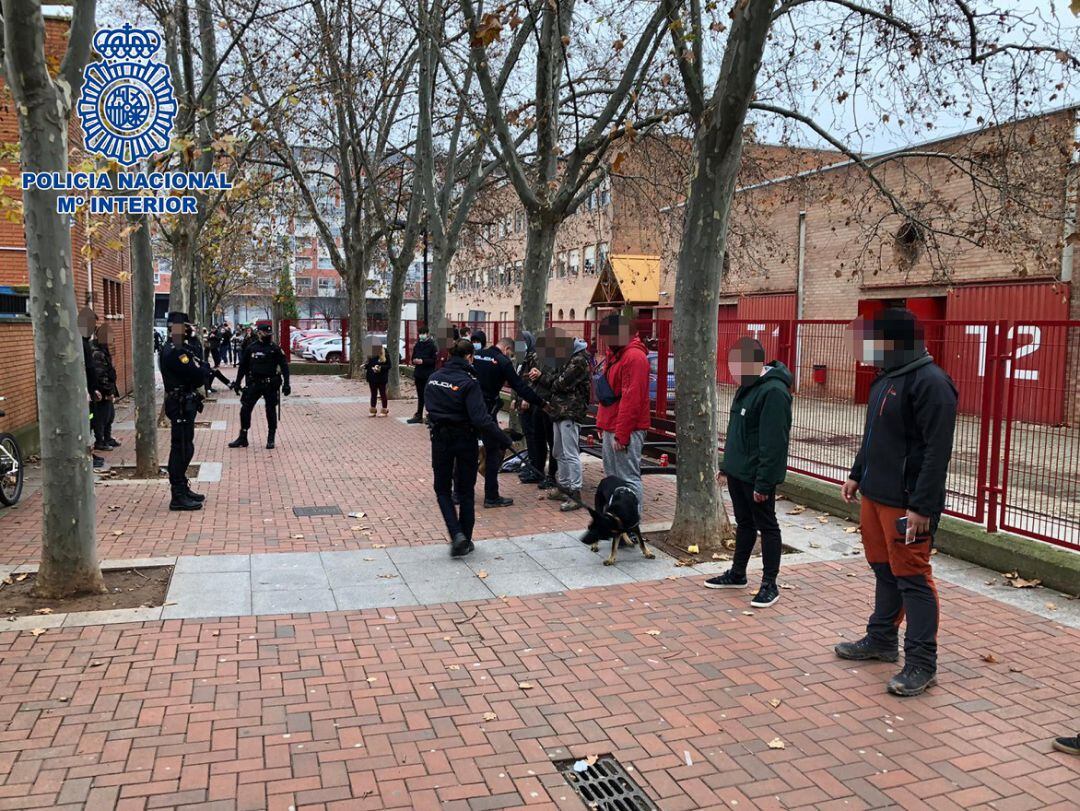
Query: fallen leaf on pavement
x: 748, y: 613
x: 118, y: 532
x: 298, y: 537
x: 387, y: 576
x: 1021, y: 583
x: 692, y: 549
x: 591, y: 759
x: 490, y: 716
x: 810, y: 527
x: 1051, y: 607
x: 798, y: 509
x: 43, y: 611
x: 525, y: 685
x: 453, y: 667
x: 852, y: 574
x: 358, y: 514
x: 718, y: 556
x: 21, y: 577
x: 38, y: 631
x: 378, y: 546
x: 776, y: 743
x: 989, y: 658
x: 371, y: 679
x: 786, y: 586
x: 774, y: 703
x: 823, y: 519
x: 851, y: 530
x: 7, y: 581
x: 1015, y: 669
x: 482, y: 574
x: 653, y: 632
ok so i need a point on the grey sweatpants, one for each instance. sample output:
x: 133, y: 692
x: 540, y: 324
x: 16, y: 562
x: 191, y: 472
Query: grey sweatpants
x: 567, y: 450
x: 626, y: 464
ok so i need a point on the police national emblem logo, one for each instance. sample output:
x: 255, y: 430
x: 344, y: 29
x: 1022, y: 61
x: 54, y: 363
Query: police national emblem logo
x: 127, y: 106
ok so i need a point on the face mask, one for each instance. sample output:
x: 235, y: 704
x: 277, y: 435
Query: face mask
x: 476, y: 347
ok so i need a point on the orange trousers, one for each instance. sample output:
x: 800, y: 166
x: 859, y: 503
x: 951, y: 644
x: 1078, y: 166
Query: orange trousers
x: 905, y: 585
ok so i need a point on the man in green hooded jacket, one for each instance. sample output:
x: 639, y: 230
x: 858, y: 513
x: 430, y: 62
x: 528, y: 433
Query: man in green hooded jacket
x: 755, y: 462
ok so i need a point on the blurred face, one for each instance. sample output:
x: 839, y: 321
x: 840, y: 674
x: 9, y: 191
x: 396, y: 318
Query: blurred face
x: 745, y: 361
x: 867, y: 345
x: 617, y: 337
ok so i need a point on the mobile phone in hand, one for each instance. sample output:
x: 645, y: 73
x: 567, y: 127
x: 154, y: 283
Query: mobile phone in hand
x: 901, y: 529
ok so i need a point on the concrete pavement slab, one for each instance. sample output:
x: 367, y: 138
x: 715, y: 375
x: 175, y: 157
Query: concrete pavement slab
x: 292, y: 601
x: 374, y: 595
x: 585, y: 577
x: 191, y: 564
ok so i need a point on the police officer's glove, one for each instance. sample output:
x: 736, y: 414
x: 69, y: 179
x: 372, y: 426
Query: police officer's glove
x: 286, y: 389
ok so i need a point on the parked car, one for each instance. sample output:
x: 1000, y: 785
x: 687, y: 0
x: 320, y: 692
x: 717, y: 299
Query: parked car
x: 309, y: 347
x: 297, y: 337
x: 329, y: 350
x: 654, y: 376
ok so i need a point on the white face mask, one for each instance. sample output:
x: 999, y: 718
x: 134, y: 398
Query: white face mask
x: 869, y: 352
x: 476, y: 346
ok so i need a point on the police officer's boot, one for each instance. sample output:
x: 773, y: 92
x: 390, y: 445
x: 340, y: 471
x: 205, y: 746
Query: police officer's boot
x: 270, y: 441
x: 182, y: 502
x: 240, y: 441
x: 415, y: 419
x: 199, y: 497
x: 460, y: 546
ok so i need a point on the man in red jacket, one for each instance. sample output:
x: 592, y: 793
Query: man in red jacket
x: 625, y: 421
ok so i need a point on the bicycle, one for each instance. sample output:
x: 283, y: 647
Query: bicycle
x: 11, y: 469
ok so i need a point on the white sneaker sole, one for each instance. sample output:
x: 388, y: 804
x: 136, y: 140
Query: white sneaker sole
x: 757, y: 604
x: 709, y: 585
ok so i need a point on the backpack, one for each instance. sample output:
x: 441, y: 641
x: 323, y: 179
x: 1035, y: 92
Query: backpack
x: 605, y: 395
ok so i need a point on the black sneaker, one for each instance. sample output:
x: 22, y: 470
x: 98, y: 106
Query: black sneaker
x: 547, y: 483
x: 269, y: 444
x: 912, y: 681
x: 501, y: 501
x: 240, y: 442
x: 727, y: 580
x: 416, y: 419
x: 98, y: 462
x: 112, y: 443
x: 181, y: 503
x: 530, y: 478
x: 460, y: 546
x: 766, y: 596
x: 865, y: 648
x: 1070, y: 746
x: 102, y: 446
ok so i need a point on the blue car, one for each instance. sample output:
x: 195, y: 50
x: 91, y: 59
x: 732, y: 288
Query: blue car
x: 654, y: 377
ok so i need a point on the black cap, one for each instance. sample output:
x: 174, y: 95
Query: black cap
x: 267, y: 328
x: 177, y: 318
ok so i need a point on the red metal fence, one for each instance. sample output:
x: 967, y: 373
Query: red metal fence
x: 1016, y: 450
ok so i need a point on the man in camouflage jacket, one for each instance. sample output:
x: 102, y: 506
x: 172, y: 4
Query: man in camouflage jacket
x: 568, y: 408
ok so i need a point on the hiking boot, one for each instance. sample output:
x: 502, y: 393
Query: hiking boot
x: 102, y: 446
x: 112, y: 443
x: 547, y: 483
x: 912, y: 681
x: 182, y: 503
x: 460, y: 546
x: 727, y: 580
x: 766, y: 596
x: 240, y: 441
x: 865, y: 648
x: 573, y: 502
x: 373, y: 412
x: 416, y: 419
x: 199, y: 497
x: 270, y: 441
x: 556, y: 495
x: 1070, y: 746
x: 501, y: 501
x: 99, y: 462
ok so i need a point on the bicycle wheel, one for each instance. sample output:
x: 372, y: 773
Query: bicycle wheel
x: 11, y: 470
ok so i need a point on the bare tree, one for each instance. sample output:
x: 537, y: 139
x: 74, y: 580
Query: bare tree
x: 579, y: 110
x: 69, y: 562
x: 142, y: 346
x: 791, y: 61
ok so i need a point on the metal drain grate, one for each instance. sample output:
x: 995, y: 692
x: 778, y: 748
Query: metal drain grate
x: 330, y: 509
x: 605, y: 785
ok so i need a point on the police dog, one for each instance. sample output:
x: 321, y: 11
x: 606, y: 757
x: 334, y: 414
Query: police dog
x: 617, y: 515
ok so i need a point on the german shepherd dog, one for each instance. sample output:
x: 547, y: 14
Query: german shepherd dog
x: 617, y: 516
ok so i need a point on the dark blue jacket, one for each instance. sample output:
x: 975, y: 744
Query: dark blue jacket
x: 453, y: 398
x: 494, y: 370
x: 181, y: 368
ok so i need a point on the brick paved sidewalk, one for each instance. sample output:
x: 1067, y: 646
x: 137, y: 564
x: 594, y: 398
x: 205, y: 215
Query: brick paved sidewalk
x: 390, y: 708
x: 328, y: 452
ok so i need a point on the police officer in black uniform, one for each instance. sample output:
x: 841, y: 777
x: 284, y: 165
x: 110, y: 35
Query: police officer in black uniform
x: 456, y: 414
x: 267, y: 371
x: 182, y: 374
x: 494, y: 370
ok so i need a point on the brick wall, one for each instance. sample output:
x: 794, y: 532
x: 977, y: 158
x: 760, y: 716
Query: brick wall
x: 108, y: 260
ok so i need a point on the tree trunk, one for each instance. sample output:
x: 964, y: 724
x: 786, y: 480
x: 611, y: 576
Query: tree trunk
x: 183, y: 271
x: 699, y: 514
x: 539, y: 247
x: 357, y: 270
x: 69, y: 563
x: 393, y: 323
x: 142, y: 348
x: 437, y: 284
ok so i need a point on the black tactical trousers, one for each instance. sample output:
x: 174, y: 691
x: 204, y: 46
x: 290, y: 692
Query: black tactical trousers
x: 103, y: 412
x: 455, y: 459
x: 270, y: 393
x: 181, y: 451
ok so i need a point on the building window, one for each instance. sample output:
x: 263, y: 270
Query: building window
x: 571, y: 313
x: 908, y: 243
x: 519, y: 268
x: 113, y: 293
x: 13, y: 303
x: 604, y: 193
x: 575, y: 256
x: 590, y: 259
x: 560, y: 314
x: 601, y: 255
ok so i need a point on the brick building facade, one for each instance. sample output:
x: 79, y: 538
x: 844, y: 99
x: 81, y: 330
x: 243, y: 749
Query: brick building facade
x: 101, y: 265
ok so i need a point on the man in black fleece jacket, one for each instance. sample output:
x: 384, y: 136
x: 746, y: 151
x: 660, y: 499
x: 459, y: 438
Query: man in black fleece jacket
x: 900, y: 472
